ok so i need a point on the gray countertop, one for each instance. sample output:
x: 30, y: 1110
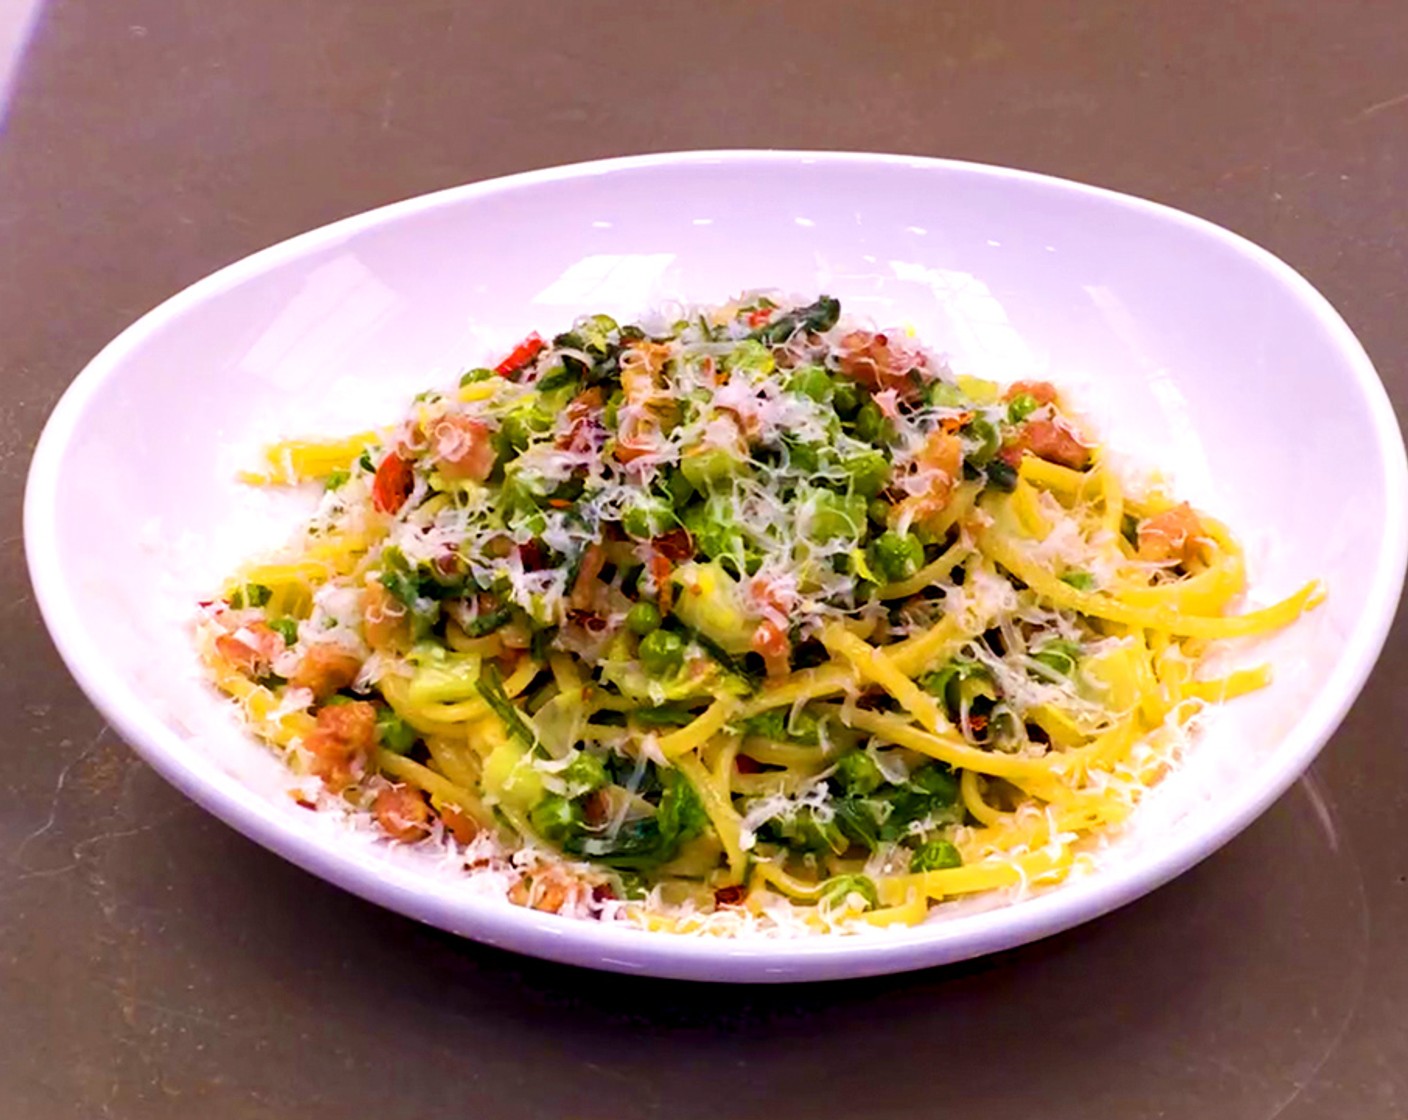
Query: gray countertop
x: 155, y: 964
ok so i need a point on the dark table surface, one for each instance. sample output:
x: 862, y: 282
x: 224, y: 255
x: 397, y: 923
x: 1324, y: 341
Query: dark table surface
x: 155, y: 964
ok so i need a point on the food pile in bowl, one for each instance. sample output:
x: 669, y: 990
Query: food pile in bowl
x: 735, y: 618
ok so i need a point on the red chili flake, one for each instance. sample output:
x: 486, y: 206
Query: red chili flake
x: 532, y: 555
x: 521, y: 355
x: 978, y: 723
x: 759, y: 317
x: 730, y: 896
x: 746, y: 765
x: 676, y: 545
x: 392, y: 483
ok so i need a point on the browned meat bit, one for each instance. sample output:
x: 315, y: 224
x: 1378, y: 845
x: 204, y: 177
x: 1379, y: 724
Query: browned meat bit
x: 325, y: 668
x: 1043, y: 392
x: 548, y: 891
x: 341, y: 743
x: 1050, y: 440
x: 586, y: 587
x: 251, y: 649
x: 879, y: 362
x: 730, y: 896
x: 771, y: 641
x: 459, y: 824
x: 596, y: 807
x: 462, y: 447
x: 402, y: 813
x: 385, y: 620
x: 1171, y: 535
x: 941, y: 458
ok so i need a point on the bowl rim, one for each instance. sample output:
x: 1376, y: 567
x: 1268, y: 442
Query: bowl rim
x: 631, y: 950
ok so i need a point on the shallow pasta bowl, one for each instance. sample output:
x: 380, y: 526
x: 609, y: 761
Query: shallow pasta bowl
x: 1187, y: 346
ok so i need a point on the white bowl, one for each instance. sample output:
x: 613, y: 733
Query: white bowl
x: 1196, y: 349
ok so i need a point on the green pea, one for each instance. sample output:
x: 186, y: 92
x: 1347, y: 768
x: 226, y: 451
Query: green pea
x: 661, y: 653
x: 896, y: 556
x: 872, y: 425
x: 555, y: 818
x: 812, y: 381
x: 1021, y: 406
x: 869, y: 472
x: 394, y: 733
x: 858, y: 774
x: 878, y: 510
x: 643, y: 618
x: 936, y: 855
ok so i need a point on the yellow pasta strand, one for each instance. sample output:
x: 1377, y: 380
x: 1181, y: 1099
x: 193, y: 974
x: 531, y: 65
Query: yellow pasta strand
x: 1029, y: 869
x: 300, y: 460
x: 970, y: 788
x: 1095, y: 605
x: 718, y: 805
x: 693, y: 735
x: 874, y: 665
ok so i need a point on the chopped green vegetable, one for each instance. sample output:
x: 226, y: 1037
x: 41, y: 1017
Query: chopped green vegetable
x: 813, y: 382
x: 250, y: 595
x: 819, y: 316
x: 1059, y: 655
x: 556, y: 819
x: 1081, y: 581
x: 935, y: 855
x: 286, y: 628
x: 1021, y: 406
x: 491, y: 686
x: 837, y: 892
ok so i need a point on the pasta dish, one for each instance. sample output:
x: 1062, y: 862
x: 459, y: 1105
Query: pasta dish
x: 754, y: 618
